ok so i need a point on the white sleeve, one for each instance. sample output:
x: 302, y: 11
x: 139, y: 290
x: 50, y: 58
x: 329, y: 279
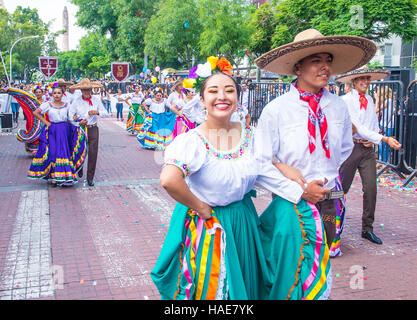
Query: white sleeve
x: 347, y: 141
x: 186, y: 152
x: 44, y: 107
x: 363, y: 131
x: 266, y: 147
x: 102, y: 112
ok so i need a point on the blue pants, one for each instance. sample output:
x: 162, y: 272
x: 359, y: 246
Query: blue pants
x: 119, y: 108
x: 15, y: 110
x: 384, y: 147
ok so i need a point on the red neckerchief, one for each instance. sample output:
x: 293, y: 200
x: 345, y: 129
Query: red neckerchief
x: 315, y: 114
x: 363, y: 101
x: 90, y: 103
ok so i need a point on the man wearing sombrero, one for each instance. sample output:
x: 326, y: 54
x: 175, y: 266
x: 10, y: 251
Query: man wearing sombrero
x: 362, y: 112
x: 309, y: 129
x: 64, y: 85
x: 85, y: 110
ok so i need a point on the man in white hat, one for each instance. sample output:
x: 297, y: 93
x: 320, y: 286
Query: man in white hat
x: 85, y: 110
x: 362, y: 112
x: 309, y: 128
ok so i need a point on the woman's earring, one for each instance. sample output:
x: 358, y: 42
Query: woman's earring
x: 204, y: 114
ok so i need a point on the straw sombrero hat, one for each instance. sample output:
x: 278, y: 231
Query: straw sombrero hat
x: 375, y: 74
x: 176, y: 84
x: 349, y: 52
x: 62, y: 82
x: 86, y: 84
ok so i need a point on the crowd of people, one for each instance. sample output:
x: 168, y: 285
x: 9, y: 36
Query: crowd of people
x: 305, y: 150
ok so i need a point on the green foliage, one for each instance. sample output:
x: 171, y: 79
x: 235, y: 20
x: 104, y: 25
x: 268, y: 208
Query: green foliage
x: 226, y: 30
x: 376, y: 20
x: 90, y: 60
x: 24, y: 22
x: 174, y: 30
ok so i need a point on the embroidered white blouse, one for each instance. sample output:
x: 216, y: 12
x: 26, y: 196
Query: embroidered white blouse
x: 192, y: 109
x: 136, y: 99
x: 215, y: 177
x: 55, y: 114
x: 281, y: 136
x: 156, y: 107
x: 365, y: 121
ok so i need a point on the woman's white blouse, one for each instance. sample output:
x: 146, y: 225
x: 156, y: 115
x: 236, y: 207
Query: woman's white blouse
x: 193, y: 109
x: 55, y: 114
x: 136, y: 99
x: 217, y: 178
x: 156, y: 107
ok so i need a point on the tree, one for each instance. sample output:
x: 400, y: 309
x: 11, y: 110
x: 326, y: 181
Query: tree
x: 132, y: 23
x: 21, y: 23
x: 225, y: 28
x: 174, y: 30
x: 376, y: 20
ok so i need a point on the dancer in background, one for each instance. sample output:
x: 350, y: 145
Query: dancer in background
x: 86, y: 110
x: 362, y: 112
x: 62, y: 149
x: 136, y: 115
x: 156, y: 132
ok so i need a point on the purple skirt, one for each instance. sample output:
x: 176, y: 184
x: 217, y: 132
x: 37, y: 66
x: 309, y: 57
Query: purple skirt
x: 61, y: 153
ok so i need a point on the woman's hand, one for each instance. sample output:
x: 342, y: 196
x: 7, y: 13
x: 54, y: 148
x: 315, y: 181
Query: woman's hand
x: 204, y: 211
x: 47, y: 123
x: 83, y: 122
x: 291, y: 173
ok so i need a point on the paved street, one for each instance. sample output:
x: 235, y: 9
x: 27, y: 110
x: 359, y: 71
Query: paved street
x: 102, y: 242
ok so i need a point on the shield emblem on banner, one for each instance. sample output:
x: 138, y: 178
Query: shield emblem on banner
x: 48, y: 66
x: 120, y: 70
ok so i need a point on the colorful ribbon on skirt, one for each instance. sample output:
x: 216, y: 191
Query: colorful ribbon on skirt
x: 203, y: 261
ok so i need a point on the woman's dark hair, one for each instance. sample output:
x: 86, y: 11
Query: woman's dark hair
x: 60, y: 88
x: 204, y: 84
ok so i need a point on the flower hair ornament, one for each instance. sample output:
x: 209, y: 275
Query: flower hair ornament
x: 52, y: 86
x: 200, y: 72
x: 36, y: 88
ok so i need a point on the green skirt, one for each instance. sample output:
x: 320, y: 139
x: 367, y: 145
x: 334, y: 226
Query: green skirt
x: 294, y: 242
x: 218, y: 258
x: 135, y: 119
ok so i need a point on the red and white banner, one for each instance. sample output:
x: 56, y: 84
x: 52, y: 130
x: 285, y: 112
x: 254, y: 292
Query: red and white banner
x: 120, y: 70
x: 48, y: 66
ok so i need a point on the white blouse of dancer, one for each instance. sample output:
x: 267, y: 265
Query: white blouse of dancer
x: 217, y: 178
x: 55, y: 114
x: 193, y: 109
x: 240, y: 114
x: 176, y: 98
x: 156, y: 107
x: 136, y: 99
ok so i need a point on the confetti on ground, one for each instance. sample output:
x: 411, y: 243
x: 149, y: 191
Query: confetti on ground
x: 337, y: 275
x: 382, y: 226
x: 82, y: 281
x: 392, y: 181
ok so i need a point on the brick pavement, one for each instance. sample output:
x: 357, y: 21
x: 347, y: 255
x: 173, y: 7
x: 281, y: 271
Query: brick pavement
x: 102, y: 242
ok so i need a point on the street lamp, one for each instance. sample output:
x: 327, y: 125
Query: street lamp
x: 11, y: 50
